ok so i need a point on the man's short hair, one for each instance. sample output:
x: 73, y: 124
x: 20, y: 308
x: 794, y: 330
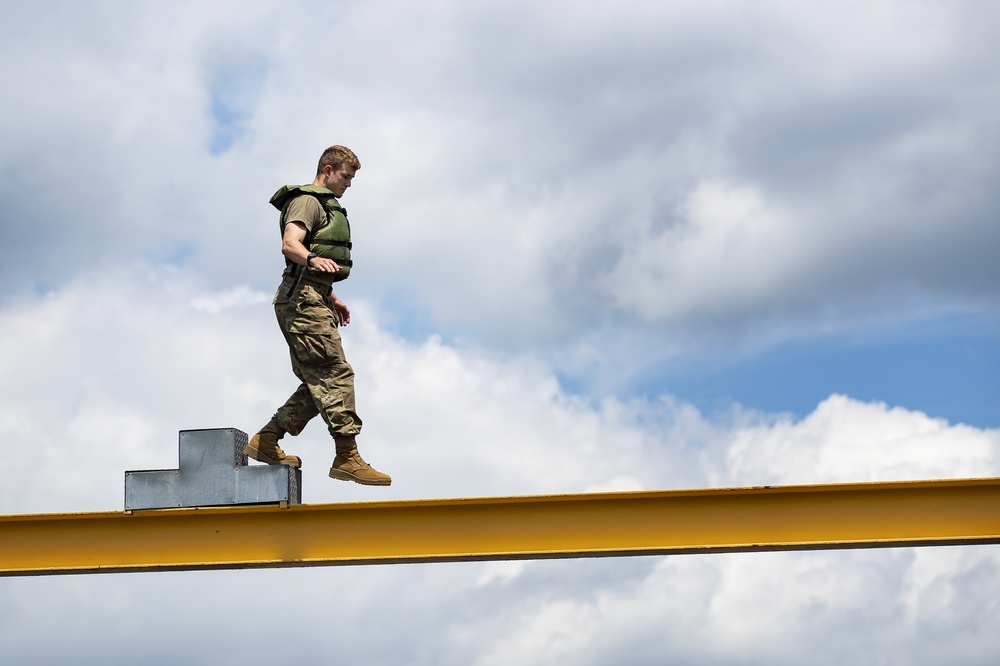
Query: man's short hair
x: 337, y: 157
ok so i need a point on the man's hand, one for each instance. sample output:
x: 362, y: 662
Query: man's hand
x: 340, y: 309
x: 324, y: 265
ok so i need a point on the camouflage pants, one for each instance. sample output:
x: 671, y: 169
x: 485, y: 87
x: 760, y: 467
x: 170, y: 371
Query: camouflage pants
x: 327, y: 388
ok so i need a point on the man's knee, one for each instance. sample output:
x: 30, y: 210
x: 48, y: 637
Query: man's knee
x: 296, y: 413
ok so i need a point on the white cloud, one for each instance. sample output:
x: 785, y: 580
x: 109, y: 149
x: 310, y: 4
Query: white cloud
x: 845, y: 440
x: 545, y: 180
x: 711, y: 166
x: 238, y: 297
x: 728, y: 250
x: 101, y: 374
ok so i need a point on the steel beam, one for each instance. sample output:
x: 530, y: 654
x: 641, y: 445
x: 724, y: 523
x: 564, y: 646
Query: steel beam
x: 863, y: 515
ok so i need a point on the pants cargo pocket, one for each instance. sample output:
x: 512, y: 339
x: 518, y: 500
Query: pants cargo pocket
x: 316, y: 348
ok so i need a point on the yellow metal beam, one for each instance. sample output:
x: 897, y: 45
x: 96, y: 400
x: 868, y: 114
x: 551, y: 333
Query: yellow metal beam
x: 916, y: 513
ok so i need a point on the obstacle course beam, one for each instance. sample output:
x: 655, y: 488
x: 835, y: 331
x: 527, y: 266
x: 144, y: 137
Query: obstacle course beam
x: 860, y: 515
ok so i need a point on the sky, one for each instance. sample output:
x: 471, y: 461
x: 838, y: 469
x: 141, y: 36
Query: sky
x: 651, y: 245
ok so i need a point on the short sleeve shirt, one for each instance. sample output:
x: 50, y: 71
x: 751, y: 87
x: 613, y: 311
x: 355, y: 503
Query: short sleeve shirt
x: 307, y: 210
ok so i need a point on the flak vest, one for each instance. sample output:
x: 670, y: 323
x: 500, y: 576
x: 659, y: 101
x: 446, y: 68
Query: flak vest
x: 332, y: 240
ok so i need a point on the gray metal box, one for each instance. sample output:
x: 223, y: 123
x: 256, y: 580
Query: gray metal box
x: 213, y: 471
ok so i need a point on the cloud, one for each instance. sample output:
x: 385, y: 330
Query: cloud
x: 141, y: 353
x: 682, y: 170
x: 728, y: 251
x: 564, y: 197
x: 102, y: 373
x: 835, y: 444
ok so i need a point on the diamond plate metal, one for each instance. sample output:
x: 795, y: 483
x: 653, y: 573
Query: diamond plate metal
x: 212, y: 471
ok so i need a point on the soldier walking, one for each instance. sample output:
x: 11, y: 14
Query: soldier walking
x: 316, y: 243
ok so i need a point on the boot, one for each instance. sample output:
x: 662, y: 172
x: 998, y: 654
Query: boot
x: 264, y: 447
x: 348, y: 466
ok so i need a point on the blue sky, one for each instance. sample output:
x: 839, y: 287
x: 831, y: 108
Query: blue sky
x: 654, y: 245
x: 947, y: 367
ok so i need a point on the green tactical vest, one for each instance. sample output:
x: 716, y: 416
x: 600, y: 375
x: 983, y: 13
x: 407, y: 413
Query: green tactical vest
x: 332, y: 240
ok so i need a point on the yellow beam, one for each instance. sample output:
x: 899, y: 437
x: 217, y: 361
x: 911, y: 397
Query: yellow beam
x: 916, y: 513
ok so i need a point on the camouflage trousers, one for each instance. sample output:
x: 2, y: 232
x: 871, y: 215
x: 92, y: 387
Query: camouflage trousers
x: 327, y: 388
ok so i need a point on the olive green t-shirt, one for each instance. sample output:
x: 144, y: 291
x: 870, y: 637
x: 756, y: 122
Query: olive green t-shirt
x: 307, y: 210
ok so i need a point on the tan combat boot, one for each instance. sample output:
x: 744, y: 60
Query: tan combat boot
x: 348, y: 466
x: 264, y: 447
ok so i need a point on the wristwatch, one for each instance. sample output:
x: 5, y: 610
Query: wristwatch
x: 312, y: 255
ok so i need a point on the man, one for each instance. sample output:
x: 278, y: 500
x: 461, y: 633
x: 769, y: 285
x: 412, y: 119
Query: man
x: 316, y: 242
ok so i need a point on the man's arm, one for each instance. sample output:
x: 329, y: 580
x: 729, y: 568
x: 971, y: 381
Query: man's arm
x: 293, y: 248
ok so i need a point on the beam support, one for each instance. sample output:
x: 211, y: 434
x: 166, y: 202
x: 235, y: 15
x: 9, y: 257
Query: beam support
x: 862, y: 515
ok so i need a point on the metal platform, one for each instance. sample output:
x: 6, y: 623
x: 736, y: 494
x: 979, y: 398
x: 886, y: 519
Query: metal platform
x: 213, y: 471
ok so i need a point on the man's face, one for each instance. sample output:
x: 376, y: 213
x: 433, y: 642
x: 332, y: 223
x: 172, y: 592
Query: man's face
x: 338, y: 181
